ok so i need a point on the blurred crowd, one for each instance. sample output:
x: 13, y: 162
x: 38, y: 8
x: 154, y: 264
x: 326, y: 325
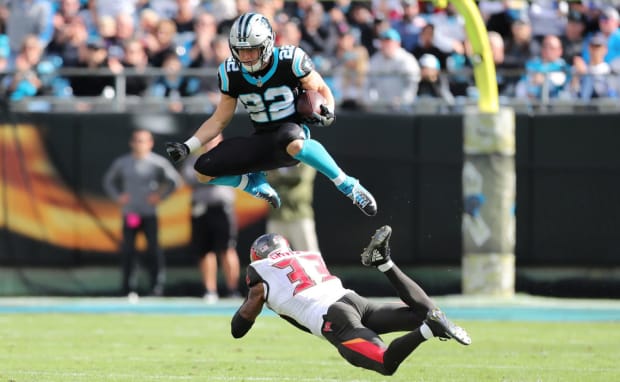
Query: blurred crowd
x: 390, y: 51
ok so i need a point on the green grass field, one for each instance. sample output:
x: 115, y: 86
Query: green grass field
x: 147, y: 347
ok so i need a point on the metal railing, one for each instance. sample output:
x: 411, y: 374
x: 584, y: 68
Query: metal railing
x: 116, y: 99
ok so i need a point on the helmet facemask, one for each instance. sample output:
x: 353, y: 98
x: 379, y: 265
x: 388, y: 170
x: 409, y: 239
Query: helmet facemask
x: 252, y: 30
x: 254, y: 65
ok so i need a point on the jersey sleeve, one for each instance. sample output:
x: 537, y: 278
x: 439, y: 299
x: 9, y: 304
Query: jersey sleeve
x: 302, y: 64
x: 252, y: 277
x: 223, y: 76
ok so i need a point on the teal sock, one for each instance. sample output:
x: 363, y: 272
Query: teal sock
x: 314, y: 154
x: 226, y: 180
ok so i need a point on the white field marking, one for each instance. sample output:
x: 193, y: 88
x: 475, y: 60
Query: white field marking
x: 175, y: 377
x: 224, y: 378
x: 26, y: 356
x: 91, y: 375
x: 524, y: 300
x: 448, y: 301
x: 568, y: 341
x: 532, y: 368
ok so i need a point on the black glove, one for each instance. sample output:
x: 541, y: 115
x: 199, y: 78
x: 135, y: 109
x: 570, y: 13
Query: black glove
x: 177, y: 151
x: 326, y: 117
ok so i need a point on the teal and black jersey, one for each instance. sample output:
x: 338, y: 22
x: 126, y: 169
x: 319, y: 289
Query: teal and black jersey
x: 269, y: 95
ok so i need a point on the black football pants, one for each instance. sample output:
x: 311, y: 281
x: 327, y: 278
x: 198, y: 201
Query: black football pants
x: 353, y: 325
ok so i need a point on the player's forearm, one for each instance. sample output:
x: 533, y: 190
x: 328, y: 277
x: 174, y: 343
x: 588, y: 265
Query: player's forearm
x: 210, y: 129
x: 205, y: 133
x: 239, y: 326
x: 329, y: 98
x: 214, y: 125
x: 314, y: 81
x: 246, y: 315
x: 250, y: 309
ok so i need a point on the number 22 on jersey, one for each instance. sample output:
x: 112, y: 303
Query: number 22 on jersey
x: 274, y: 104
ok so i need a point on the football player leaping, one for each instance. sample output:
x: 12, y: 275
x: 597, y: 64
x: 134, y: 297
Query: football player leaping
x: 266, y: 79
x: 297, y: 286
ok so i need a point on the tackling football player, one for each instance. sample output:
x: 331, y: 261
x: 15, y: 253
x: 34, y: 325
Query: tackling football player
x: 298, y: 286
x: 267, y: 80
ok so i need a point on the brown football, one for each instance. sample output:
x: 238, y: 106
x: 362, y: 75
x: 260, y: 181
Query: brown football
x: 309, y: 102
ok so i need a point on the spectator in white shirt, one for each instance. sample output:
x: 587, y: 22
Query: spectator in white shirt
x: 394, y: 73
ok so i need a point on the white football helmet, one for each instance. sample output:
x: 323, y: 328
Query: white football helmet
x: 252, y: 30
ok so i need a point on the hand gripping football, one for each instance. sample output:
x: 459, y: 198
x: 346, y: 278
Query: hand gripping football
x: 308, y: 103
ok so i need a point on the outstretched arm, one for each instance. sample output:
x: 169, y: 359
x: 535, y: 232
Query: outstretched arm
x: 209, y: 129
x: 244, y: 318
x: 214, y: 125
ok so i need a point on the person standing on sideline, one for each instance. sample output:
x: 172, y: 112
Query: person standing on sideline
x: 139, y: 181
x: 295, y: 217
x: 214, y: 230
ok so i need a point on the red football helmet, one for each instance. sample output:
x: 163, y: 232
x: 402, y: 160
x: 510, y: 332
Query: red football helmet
x: 267, y: 244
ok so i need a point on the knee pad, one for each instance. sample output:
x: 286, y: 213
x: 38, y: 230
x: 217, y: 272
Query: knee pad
x: 287, y: 133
